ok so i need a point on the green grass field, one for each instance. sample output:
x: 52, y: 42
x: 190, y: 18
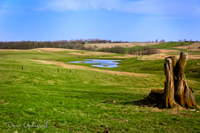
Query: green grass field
x: 169, y: 45
x: 48, y: 98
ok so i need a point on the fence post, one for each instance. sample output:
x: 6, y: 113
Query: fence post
x: 57, y: 70
x: 22, y: 68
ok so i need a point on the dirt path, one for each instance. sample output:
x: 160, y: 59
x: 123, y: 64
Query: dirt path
x: 89, y: 68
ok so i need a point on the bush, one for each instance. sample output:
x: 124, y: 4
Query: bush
x: 182, y: 44
x: 146, y: 50
x: 132, y: 50
x: 116, y: 49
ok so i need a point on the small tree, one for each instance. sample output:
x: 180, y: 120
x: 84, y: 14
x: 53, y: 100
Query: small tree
x: 163, y: 40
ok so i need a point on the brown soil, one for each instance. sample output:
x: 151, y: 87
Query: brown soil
x: 89, y: 68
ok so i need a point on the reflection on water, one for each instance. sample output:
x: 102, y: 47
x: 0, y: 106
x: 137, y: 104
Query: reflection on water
x: 100, y: 63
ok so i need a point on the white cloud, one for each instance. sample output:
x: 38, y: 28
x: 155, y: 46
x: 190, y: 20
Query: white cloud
x: 154, y: 7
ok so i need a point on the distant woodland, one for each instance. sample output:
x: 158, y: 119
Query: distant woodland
x: 71, y: 44
x: 80, y: 45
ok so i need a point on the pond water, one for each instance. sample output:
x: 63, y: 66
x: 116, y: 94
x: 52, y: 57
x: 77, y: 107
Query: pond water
x: 99, y: 63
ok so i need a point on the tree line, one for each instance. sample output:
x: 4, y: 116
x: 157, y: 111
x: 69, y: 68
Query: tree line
x: 146, y: 50
x: 116, y: 49
x: 71, y: 44
x: 79, y: 44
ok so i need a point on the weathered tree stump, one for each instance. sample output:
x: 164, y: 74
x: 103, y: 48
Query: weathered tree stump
x: 168, y: 95
x: 176, y: 88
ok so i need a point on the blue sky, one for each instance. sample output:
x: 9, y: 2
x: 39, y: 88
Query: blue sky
x: 126, y: 20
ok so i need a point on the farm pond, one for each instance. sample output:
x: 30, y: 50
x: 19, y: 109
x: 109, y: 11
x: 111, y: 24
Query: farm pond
x: 99, y: 63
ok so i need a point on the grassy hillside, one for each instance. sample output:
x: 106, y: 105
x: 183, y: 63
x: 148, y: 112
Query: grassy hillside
x: 169, y: 45
x: 48, y: 98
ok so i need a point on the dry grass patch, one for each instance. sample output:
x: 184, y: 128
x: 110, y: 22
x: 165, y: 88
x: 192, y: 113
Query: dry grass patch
x: 101, y: 45
x: 92, y: 53
x: 125, y: 56
x: 56, y: 49
x: 192, y: 47
x: 163, y: 51
x: 153, y: 57
x: 163, y: 56
x: 144, y: 44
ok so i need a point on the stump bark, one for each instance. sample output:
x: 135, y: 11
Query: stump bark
x: 176, y: 88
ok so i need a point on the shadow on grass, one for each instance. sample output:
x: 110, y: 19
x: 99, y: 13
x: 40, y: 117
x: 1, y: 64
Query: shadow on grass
x: 193, y: 75
x: 152, y: 100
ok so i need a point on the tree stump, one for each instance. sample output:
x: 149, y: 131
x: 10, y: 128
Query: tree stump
x: 168, y: 95
x: 176, y: 88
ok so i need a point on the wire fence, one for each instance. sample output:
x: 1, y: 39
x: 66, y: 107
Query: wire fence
x: 42, y: 70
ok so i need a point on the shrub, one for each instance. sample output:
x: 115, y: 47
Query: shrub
x: 182, y: 44
x: 146, y: 50
x: 116, y: 49
x: 132, y: 50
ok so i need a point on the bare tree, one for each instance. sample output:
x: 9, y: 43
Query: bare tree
x: 163, y: 40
